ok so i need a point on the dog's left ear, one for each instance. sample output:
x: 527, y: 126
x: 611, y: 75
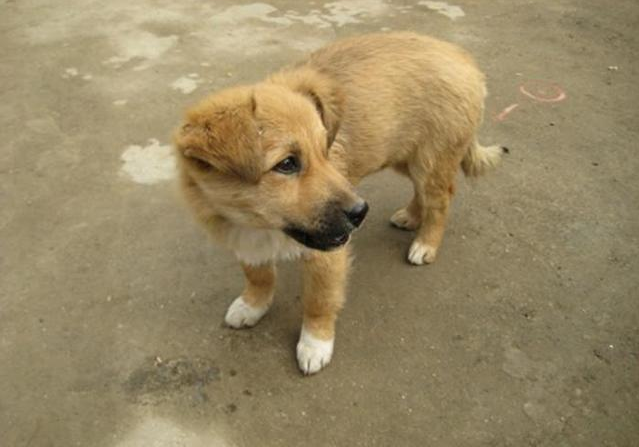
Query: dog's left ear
x: 322, y: 91
x: 329, y: 106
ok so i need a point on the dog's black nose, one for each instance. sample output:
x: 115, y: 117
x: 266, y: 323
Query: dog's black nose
x: 357, y: 214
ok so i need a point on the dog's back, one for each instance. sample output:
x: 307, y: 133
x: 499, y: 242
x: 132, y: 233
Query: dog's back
x: 402, y: 91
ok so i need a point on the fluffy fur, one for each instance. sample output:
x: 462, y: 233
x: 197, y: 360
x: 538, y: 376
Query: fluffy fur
x: 396, y: 100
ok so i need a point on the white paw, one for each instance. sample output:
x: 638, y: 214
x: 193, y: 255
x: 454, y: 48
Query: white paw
x: 420, y: 253
x: 240, y: 314
x: 404, y: 220
x: 313, y: 354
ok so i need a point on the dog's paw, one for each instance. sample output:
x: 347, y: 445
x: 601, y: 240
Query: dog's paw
x: 404, y: 220
x: 240, y: 314
x: 420, y: 253
x: 313, y: 354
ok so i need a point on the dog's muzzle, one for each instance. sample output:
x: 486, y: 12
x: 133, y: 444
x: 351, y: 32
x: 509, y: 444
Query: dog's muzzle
x: 334, y: 229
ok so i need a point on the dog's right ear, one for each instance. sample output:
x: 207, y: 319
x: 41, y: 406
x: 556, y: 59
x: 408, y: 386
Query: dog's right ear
x: 322, y: 91
x: 219, y: 134
x: 188, y: 139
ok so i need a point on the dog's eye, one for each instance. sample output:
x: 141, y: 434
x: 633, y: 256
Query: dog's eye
x: 200, y: 164
x: 290, y: 165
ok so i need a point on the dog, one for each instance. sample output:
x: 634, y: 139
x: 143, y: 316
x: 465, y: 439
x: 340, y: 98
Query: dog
x: 269, y: 169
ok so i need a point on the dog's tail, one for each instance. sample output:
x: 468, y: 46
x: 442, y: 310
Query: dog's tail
x: 479, y: 159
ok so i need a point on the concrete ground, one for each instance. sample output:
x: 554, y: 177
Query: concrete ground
x: 525, y: 332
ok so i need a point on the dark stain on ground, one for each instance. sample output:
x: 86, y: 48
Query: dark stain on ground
x: 157, y: 380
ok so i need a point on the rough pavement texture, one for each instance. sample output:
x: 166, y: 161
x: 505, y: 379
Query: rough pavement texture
x: 524, y: 332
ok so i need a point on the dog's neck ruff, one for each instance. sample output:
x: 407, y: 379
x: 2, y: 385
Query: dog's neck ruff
x: 254, y: 246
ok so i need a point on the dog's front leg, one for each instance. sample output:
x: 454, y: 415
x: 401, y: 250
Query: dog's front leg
x: 256, y: 298
x: 325, y: 275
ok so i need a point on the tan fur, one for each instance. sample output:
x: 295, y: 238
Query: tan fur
x: 324, y: 276
x: 360, y: 105
x: 260, y: 284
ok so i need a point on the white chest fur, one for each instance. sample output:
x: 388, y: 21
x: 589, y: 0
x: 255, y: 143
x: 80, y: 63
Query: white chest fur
x: 256, y: 246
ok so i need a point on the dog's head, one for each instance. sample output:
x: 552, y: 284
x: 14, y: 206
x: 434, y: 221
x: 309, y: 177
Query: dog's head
x: 260, y: 156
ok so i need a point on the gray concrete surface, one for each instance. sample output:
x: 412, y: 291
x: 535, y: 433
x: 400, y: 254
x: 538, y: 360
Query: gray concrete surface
x: 524, y: 333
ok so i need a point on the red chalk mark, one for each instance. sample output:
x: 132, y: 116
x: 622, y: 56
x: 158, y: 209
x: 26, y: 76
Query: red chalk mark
x: 542, y: 91
x: 502, y: 115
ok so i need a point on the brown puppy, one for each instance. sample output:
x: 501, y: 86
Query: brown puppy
x: 269, y: 168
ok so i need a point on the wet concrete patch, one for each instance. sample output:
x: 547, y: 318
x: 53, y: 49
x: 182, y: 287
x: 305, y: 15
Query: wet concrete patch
x: 157, y: 380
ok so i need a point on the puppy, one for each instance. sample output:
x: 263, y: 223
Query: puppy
x: 269, y: 168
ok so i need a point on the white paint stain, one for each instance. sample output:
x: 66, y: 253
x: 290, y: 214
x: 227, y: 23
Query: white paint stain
x: 251, y: 29
x: 313, y: 18
x: 451, y: 11
x: 70, y: 72
x: 337, y: 13
x: 233, y: 30
x: 73, y: 72
x: 257, y: 28
x: 241, y: 13
x: 120, y: 102
x: 149, y: 164
x: 353, y: 11
x: 141, y: 45
x: 186, y: 84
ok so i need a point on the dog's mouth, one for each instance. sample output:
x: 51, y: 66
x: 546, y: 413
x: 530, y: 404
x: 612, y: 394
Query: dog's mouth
x: 318, y: 240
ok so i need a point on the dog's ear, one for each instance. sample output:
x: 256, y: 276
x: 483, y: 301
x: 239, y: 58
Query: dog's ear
x: 189, y: 140
x: 330, y: 112
x: 220, y: 134
x: 322, y: 91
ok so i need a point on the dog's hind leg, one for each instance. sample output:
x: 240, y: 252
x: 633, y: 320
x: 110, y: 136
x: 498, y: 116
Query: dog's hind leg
x: 409, y: 217
x: 324, y: 276
x: 434, y: 182
x: 256, y: 298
